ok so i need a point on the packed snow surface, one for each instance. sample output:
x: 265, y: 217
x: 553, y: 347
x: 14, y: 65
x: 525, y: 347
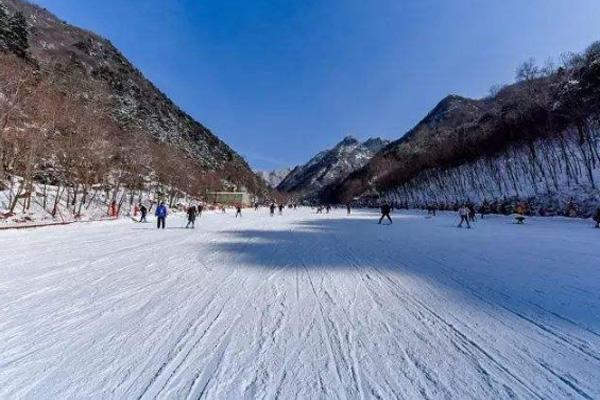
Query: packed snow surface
x: 302, y: 306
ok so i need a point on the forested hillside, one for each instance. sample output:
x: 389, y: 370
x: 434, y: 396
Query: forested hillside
x: 535, y: 141
x: 75, y: 114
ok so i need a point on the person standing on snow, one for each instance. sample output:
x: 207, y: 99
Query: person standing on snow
x: 272, y: 209
x: 238, y: 211
x: 161, y: 215
x: 191, y: 214
x: 431, y: 209
x: 112, y: 210
x: 143, y: 212
x: 349, y: 208
x: 200, y: 208
x: 386, y: 209
x: 281, y: 209
x: 472, y: 213
x: 463, y: 211
x: 327, y: 209
x: 597, y: 218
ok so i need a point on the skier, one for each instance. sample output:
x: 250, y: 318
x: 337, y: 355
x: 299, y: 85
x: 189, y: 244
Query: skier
x: 281, y: 209
x: 431, y: 210
x: 238, y: 211
x: 200, y: 209
x: 472, y: 214
x: 327, y: 208
x: 272, y: 209
x: 161, y: 215
x: 349, y: 208
x: 191, y: 213
x: 143, y: 212
x: 597, y: 218
x: 320, y: 210
x: 463, y: 211
x: 483, y: 209
x: 386, y: 209
x: 112, y: 210
x: 256, y: 206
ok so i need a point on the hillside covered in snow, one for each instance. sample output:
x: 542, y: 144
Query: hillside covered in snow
x: 536, y: 142
x: 77, y: 116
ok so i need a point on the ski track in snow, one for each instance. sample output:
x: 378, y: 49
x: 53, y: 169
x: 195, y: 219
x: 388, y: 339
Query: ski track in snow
x: 302, y: 306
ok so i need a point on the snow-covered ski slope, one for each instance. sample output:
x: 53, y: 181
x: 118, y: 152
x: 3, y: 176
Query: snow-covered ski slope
x: 302, y: 306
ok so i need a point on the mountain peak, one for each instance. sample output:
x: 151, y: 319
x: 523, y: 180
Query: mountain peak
x: 375, y: 144
x: 274, y: 178
x: 331, y: 166
x: 348, y: 141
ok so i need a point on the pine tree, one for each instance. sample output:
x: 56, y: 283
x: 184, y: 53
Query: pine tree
x: 14, y: 32
x: 4, y: 28
x: 19, y: 33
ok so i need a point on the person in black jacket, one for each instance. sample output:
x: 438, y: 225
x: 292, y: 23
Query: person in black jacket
x: 386, y: 209
x: 191, y: 214
x: 238, y: 211
x: 143, y: 212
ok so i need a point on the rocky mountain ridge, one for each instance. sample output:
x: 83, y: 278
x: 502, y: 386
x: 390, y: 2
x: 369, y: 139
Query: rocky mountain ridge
x: 275, y: 177
x: 330, y: 166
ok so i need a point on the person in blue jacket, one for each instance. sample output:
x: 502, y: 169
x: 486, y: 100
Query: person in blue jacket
x: 161, y: 215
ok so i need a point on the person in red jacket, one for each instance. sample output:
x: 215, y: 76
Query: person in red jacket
x: 112, y: 210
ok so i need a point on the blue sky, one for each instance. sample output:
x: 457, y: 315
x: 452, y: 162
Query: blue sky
x: 280, y: 80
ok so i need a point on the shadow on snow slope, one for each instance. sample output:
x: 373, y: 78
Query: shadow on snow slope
x: 545, y: 271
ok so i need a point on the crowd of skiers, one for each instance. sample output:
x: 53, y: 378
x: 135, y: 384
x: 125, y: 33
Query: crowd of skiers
x: 194, y: 211
x: 467, y: 213
x: 327, y: 208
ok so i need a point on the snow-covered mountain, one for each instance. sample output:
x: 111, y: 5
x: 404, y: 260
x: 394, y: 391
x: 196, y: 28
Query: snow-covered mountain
x: 275, y: 177
x: 331, y: 166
